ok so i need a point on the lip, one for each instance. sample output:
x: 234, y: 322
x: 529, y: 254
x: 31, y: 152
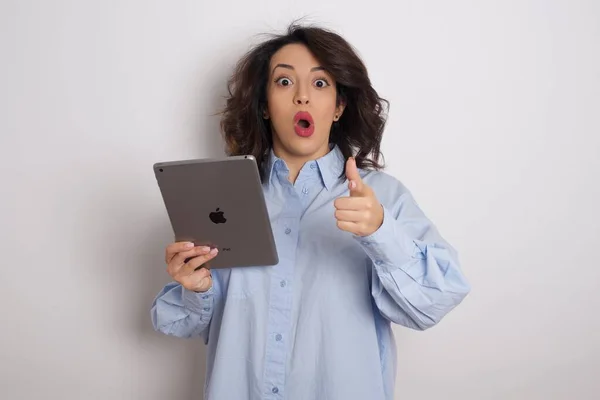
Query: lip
x: 300, y: 131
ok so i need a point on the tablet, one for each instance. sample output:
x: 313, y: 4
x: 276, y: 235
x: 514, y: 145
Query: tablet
x: 219, y: 203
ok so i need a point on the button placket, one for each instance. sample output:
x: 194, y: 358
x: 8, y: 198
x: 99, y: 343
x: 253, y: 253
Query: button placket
x: 281, y: 299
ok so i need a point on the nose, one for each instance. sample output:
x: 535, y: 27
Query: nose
x: 301, y: 100
x: 301, y: 97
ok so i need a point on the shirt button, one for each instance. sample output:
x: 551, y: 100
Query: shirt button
x: 365, y: 243
x: 282, y: 283
x: 313, y: 166
x: 206, y: 309
x: 378, y: 262
x: 275, y: 390
x: 278, y: 337
x: 305, y: 191
x: 288, y: 231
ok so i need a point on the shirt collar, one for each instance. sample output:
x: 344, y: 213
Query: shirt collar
x: 330, y: 166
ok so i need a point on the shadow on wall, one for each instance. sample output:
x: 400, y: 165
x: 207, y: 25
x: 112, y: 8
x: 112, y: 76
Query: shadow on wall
x: 192, y: 351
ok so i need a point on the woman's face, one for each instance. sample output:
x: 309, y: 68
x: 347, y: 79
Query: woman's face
x: 301, y: 104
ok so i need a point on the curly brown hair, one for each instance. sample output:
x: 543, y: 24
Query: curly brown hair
x: 358, y: 132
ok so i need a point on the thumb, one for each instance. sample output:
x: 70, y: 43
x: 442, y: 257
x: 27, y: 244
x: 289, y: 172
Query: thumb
x: 355, y: 181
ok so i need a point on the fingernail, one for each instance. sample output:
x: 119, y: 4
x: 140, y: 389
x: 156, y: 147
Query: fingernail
x: 214, y: 251
x: 205, y: 249
x: 352, y: 185
x: 189, y: 245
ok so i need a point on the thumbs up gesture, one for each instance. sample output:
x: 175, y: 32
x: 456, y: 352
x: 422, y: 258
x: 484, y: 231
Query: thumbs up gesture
x: 360, y: 213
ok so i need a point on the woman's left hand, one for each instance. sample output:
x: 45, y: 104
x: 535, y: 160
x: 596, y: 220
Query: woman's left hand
x: 360, y: 213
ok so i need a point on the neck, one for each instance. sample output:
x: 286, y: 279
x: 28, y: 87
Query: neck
x: 295, y: 162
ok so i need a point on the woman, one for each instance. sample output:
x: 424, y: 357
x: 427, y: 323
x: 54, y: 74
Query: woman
x: 356, y: 252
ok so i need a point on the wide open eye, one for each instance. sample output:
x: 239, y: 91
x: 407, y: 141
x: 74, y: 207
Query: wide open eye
x: 321, y: 83
x: 283, y: 81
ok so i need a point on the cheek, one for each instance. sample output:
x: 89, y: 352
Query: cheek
x: 327, y: 99
x: 326, y: 106
x: 277, y: 104
x: 277, y: 112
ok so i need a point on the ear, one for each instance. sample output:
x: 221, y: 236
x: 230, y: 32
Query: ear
x: 265, y: 113
x: 339, y: 110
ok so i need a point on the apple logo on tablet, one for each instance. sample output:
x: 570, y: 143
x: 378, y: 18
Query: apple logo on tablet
x: 218, y: 217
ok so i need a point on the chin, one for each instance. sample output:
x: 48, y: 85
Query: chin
x: 302, y: 146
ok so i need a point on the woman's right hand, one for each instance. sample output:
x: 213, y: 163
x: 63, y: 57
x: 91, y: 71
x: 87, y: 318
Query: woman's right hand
x: 185, y: 272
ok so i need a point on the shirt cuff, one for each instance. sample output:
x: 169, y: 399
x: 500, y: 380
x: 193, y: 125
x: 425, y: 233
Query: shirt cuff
x: 388, y: 247
x: 200, y: 303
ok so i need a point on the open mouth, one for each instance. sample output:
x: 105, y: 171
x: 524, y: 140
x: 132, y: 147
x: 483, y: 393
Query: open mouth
x: 304, y: 124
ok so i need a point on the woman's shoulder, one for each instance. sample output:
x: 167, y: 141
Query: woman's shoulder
x: 381, y: 181
x: 389, y: 190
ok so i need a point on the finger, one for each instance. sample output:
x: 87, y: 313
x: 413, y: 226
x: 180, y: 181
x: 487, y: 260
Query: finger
x: 350, y: 215
x: 351, y: 227
x: 198, y: 275
x: 355, y: 183
x: 200, y: 280
x: 189, y: 267
x: 182, y: 258
x: 351, y: 203
x: 205, y: 284
x: 175, y: 248
x: 179, y: 260
x: 352, y: 170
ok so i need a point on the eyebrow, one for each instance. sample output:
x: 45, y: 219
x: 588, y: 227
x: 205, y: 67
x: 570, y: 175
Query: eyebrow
x: 287, y: 66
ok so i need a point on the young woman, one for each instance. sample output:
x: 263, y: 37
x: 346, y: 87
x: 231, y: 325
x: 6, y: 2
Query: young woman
x: 356, y: 252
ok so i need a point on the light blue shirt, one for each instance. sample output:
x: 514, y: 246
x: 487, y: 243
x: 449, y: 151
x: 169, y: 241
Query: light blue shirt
x: 317, y: 326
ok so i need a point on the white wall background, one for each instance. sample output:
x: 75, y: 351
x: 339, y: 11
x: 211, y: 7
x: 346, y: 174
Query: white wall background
x: 494, y: 126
